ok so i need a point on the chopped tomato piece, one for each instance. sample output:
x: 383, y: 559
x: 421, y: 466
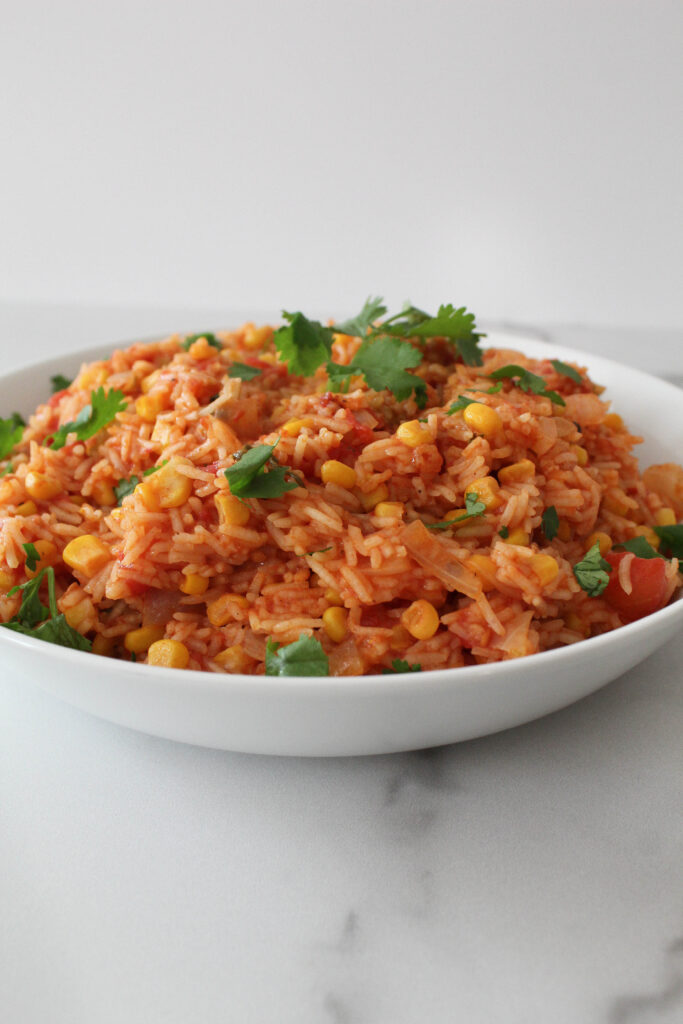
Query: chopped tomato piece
x: 650, y: 587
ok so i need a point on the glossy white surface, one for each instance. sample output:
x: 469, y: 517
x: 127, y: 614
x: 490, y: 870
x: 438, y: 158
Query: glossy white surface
x: 367, y: 714
x: 529, y: 876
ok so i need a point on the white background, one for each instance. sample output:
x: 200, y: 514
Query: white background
x: 519, y: 156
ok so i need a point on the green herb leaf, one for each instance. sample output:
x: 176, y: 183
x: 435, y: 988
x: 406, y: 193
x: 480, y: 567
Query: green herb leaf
x: 672, y: 540
x: 32, y: 556
x: 320, y: 551
x: 473, y: 509
x: 305, y: 657
x: 9, y: 468
x: 32, y: 610
x: 566, y: 370
x: 550, y: 522
x: 457, y: 325
x: 54, y: 628
x: 527, y: 381
x: 639, y: 547
x: 460, y: 404
x: 303, y: 344
x: 211, y: 338
x: 592, y: 572
x: 126, y: 487
x: 11, y: 433
x: 60, y: 383
x: 243, y: 371
x: 92, y: 418
x: 398, y: 665
x: 248, y: 478
x: 358, y: 325
x: 383, y: 362
x: 504, y: 532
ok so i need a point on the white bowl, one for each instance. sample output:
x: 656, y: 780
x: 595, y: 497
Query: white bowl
x: 362, y: 714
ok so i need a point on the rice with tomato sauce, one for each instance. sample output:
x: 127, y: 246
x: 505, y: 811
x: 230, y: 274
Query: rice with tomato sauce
x: 182, y: 559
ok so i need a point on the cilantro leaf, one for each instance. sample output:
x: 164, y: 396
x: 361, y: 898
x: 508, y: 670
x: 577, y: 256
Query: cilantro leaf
x: 211, y: 338
x: 248, y: 478
x: 566, y: 370
x: 32, y: 610
x: 639, y: 547
x: 527, y: 381
x: 60, y: 383
x: 320, y: 551
x: 550, y: 522
x: 504, y: 532
x: 101, y: 410
x: 457, y: 325
x: 9, y: 468
x: 243, y: 371
x: 11, y: 433
x: 303, y: 344
x: 473, y: 509
x: 672, y: 540
x: 126, y: 487
x: 358, y: 325
x: 592, y: 572
x: 305, y: 657
x: 464, y: 400
x: 383, y: 362
x: 399, y: 665
x: 32, y: 556
x: 54, y: 628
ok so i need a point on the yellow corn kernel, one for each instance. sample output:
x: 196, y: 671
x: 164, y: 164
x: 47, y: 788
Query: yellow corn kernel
x: 256, y: 337
x: 137, y: 641
x: 517, y: 536
x: 103, y: 493
x: 334, y: 623
x: 193, y: 583
x: 485, y: 569
x: 373, y: 498
x: 27, y: 508
x: 293, y: 427
x: 200, y: 349
x: 613, y: 503
x: 603, y: 539
x: 421, y: 619
x: 42, y: 487
x: 486, y: 488
x: 574, y: 623
x: 168, y: 653
x: 334, y: 472
x: 86, y: 554
x: 482, y: 419
x: 333, y: 597
x: 665, y: 517
x: 545, y: 567
x: 581, y: 454
x: 400, y: 638
x: 222, y: 609
x: 454, y: 513
x: 172, y: 489
x: 103, y: 645
x: 6, y: 579
x: 564, y: 531
x: 47, y: 552
x: 414, y: 433
x: 148, y: 493
x: 231, y: 511
x: 614, y: 421
x: 81, y: 616
x: 233, y: 659
x: 517, y: 472
x: 389, y: 509
x: 148, y: 382
x: 149, y: 406
x: 650, y: 536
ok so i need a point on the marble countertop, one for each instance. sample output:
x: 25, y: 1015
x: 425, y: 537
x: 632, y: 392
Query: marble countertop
x: 522, y: 878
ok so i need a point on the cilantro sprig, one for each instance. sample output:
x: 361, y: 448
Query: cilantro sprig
x: 60, y: 383
x: 384, y: 363
x: 11, y: 433
x: 302, y: 343
x: 473, y: 510
x: 639, y: 547
x: 592, y: 572
x: 358, y: 326
x: 566, y: 370
x: 243, y: 371
x: 100, y: 411
x: 399, y: 665
x: 464, y: 400
x: 248, y: 477
x: 671, y: 540
x: 211, y: 338
x: 550, y: 522
x: 125, y: 487
x: 35, y: 620
x: 527, y: 381
x: 305, y: 657
x: 454, y: 324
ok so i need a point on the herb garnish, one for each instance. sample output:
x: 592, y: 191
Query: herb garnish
x: 9, y: 468
x: 672, y: 539
x: 100, y: 411
x: 399, y: 665
x: 211, y: 338
x: 305, y: 657
x: 243, y: 371
x: 383, y: 362
x: 464, y: 400
x: 34, y: 619
x: 592, y: 572
x: 639, y: 547
x: 32, y: 556
x: 473, y: 509
x: 504, y: 532
x: 126, y: 487
x: 550, y: 522
x: 248, y: 477
x: 60, y: 383
x: 456, y: 325
x: 527, y: 381
x: 303, y: 344
x: 358, y: 326
x: 320, y: 551
x: 11, y: 433
x: 566, y: 370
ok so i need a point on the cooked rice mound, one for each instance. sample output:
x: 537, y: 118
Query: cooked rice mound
x: 183, y: 559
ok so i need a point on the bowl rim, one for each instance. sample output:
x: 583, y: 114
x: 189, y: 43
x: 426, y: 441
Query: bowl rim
x: 460, y: 675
